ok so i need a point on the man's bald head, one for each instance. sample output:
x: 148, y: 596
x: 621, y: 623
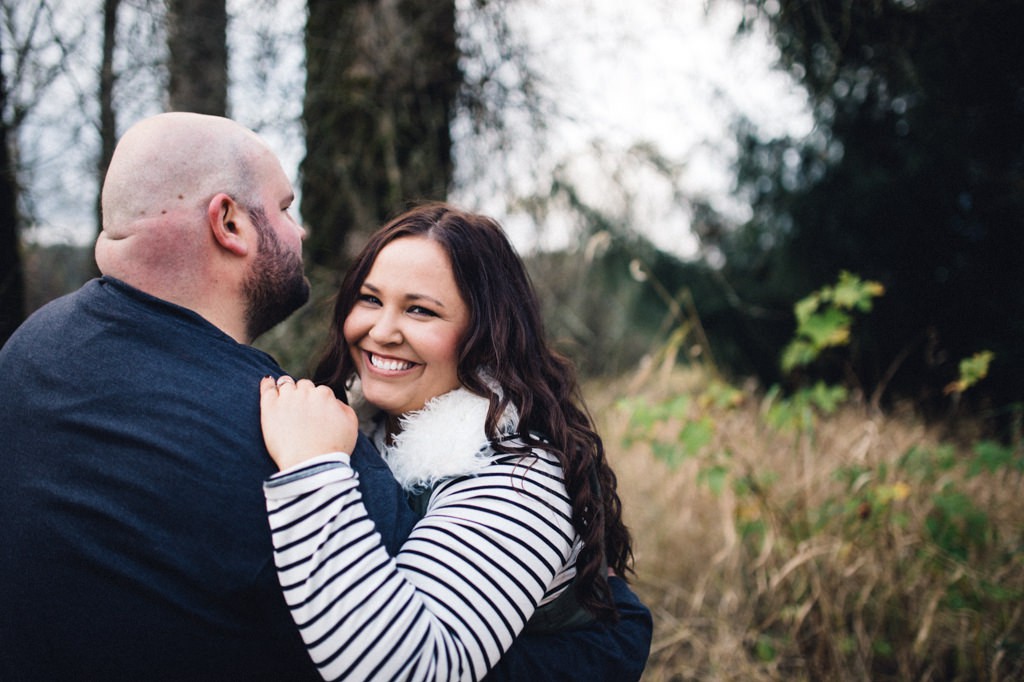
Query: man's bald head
x: 172, y: 164
x: 178, y: 205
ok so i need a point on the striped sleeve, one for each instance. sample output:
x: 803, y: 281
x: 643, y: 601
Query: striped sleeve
x: 489, y: 549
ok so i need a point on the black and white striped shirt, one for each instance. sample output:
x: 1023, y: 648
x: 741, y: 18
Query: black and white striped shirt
x: 490, y: 549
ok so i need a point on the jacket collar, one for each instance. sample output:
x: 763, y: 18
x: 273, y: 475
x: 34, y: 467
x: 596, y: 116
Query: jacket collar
x: 443, y: 439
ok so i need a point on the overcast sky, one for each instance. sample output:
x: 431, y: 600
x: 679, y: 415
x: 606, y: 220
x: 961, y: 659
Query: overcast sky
x: 667, y: 72
x: 671, y: 72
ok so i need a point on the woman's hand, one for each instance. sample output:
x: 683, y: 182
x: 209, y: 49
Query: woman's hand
x: 301, y: 421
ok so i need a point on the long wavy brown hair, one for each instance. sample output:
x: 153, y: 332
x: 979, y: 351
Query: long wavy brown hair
x: 506, y: 337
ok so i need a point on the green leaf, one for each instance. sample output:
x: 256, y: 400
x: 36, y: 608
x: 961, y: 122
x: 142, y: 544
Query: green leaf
x: 990, y: 456
x: 830, y: 327
x: 853, y: 293
x: 694, y: 436
x: 826, y: 398
x: 797, y: 354
x: 714, y: 478
x: 882, y: 647
x: 972, y: 370
x: 723, y: 395
x: 805, y: 307
x: 669, y: 453
x: 823, y: 320
x: 765, y: 650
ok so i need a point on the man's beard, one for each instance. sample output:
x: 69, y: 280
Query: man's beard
x: 276, y: 286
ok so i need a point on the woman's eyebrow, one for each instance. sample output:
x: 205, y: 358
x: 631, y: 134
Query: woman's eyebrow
x: 409, y: 297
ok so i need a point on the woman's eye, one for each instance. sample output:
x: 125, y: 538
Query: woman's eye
x: 369, y: 298
x: 420, y: 310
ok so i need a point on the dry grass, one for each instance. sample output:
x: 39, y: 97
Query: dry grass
x: 826, y: 554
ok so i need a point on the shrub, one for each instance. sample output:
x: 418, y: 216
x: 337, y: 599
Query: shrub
x: 844, y: 545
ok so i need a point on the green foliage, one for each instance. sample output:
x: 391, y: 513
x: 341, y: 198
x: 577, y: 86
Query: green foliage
x: 691, y: 436
x: 910, y: 177
x: 906, y: 551
x: 888, y: 565
x: 800, y: 411
x: 956, y: 525
x: 972, y: 370
x: 824, y: 320
x: 765, y: 648
x: 990, y: 457
x: 721, y: 395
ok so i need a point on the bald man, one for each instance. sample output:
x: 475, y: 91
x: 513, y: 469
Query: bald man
x: 134, y: 537
x: 134, y: 543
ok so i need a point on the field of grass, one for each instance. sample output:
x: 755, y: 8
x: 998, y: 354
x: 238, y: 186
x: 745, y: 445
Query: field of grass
x: 810, y: 539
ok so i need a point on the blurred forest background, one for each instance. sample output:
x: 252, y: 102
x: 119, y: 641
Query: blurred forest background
x: 816, y: 412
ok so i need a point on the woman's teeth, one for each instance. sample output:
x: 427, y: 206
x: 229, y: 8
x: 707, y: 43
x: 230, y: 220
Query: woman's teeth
x: 388, y: 364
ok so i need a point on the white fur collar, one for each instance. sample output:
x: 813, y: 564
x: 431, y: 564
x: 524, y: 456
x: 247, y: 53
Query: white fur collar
x: 444, y: 439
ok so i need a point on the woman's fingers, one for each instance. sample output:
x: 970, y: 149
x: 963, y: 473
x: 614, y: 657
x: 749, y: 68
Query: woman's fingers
x: 301, y: 420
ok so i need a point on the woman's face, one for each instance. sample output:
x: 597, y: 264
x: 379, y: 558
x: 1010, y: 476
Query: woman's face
x: 404, y: 330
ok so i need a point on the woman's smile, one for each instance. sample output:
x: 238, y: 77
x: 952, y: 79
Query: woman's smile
x: 387, y: 364
x: 405, y: 328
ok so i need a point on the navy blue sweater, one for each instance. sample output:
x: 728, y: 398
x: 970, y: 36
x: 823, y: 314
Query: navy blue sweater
x: 134, y: 537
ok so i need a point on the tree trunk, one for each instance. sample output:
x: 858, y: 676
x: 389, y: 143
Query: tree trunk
x: 108, y: 119
x: 382, y: 77
x: 197, y: 40
x: 12, y: 277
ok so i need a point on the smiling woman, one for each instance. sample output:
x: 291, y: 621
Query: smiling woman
x: 483, y: 425
x: 404, y: 330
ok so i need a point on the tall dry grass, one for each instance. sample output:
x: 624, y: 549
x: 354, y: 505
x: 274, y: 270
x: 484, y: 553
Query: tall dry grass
x: 859, y: 547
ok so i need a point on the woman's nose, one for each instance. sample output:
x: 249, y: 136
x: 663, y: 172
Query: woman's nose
x: 385, y: 330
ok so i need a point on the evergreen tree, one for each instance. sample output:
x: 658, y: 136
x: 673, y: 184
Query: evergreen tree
x: 913, y: 177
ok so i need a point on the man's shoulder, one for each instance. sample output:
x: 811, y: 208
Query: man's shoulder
x: 48, y: 319
x: 107, y: 320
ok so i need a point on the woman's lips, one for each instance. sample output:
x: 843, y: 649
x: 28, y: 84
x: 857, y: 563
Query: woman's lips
x: 384, y: 363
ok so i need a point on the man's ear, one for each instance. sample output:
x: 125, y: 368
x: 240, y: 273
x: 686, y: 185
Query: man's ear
x: 229, y: 224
